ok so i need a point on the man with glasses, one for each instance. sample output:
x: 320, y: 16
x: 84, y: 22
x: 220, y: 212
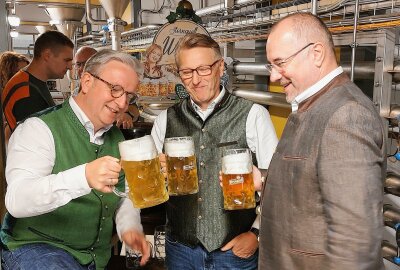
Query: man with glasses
x: 322, y: 199
x: 60, y: 170
x: 124, y: 120
x: 200, y: 233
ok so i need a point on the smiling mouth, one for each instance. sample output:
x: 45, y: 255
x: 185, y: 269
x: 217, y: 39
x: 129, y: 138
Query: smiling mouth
x: 112, y: 110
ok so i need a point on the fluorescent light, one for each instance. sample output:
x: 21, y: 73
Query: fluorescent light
x: 14, y: 33
x: 14, y: 20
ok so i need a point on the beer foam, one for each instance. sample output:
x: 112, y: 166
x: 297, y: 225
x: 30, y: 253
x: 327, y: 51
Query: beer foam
x: 179, y: 148
x: 237, y: 164
x: 138, y: 149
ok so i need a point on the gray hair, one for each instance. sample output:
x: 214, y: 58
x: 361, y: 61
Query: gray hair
x: 95, y: 64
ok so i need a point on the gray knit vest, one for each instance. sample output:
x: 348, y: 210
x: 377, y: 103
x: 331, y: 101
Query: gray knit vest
x: 200, y: 218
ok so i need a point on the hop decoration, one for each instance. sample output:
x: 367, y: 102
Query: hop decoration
x: 183, y: 11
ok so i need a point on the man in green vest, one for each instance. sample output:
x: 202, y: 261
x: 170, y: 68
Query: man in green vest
x: 60, y: 170
x: 200, y: 233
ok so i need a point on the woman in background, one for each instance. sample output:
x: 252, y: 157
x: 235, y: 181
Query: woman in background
x: 10, y: 63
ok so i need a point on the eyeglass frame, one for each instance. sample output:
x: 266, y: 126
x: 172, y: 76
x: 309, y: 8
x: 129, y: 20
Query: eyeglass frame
x: 210, y: 67
x: 280, y: 66
x: 131, y: 97
x: 80, y: 64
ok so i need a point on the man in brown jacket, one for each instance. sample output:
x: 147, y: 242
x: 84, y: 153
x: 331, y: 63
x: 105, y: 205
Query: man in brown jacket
x: 322, y: 201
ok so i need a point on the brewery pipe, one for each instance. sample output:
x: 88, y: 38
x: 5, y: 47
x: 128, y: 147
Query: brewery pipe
x: 354, y: 44
x: 391, y: 215
x: 389, y: 251
x: 392, y: 184
x: 89, y: 15
x: 261, y: 97
x: 363, y: 70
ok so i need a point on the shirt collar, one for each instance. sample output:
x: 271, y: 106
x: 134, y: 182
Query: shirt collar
x: 211, y: 106
x: 315, y: 88
x: 85, y: 120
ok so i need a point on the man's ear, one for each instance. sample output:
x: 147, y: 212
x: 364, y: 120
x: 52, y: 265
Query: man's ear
x: 46, y: 54
x: 86, y: 82
x: 221, y: 67
x: 319, y: 53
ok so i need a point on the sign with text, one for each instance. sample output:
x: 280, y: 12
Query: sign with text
x: 160, y: 72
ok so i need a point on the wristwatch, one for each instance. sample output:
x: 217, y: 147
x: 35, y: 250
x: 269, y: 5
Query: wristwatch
x: 255, y: 231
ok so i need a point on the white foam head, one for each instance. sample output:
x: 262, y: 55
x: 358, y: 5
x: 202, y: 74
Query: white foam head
x: 179, y: 147
x: 239, y: 163
x: 138, y: 149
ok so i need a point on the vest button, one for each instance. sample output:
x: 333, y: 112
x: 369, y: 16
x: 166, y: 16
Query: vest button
x: 94, y: 255
x: 200, y: 181
x: 103, y: 218
x: 96, y: 151
x: 106, y: 207
x: 203, y: 130
x: 202, y: 147
x: 92, y: 249
x: 199, y: 217
x: 200, y: 199
x: 202, y: 164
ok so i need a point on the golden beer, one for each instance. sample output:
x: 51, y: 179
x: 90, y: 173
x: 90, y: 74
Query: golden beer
x: 237, y: 179
x: 181, y: 166
x: 238, y: 191
x: 140, y: 162
x: 146, y: 183
x: 182, y: 175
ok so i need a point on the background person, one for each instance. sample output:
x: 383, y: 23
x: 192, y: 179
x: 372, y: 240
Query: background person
x: 322, y: 201
x: 60, y: 169
x: 10, y: 64
x: 200, y: 233
x: 26, y: 92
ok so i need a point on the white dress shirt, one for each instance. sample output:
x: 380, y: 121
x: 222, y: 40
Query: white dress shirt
x: 32, y: 188
x: 260, y: 133
x: 315, y: 88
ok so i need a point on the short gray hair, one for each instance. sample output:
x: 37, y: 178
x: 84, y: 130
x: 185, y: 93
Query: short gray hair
x: 96, y: 63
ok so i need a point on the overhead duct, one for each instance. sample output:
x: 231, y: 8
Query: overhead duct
x: 43, y: 28
x: 66, y: 19
x: 114, y: 10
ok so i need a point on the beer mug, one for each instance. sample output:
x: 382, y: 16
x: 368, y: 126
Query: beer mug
x: 140, y: 162
x: 237, y: 179
x: 181, y: 166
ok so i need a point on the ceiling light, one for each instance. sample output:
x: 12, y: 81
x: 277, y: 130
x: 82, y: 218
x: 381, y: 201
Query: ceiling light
x: 14, y: 33
x: 14, y: 20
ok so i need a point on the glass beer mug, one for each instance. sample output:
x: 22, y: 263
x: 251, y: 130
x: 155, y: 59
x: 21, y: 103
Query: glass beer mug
x: 181, y: 166
x: 140, y: 162
x: 237, y: 179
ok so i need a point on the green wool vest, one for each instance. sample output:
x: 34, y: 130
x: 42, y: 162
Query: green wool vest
x: 201, y: 217
x: 82, y: 227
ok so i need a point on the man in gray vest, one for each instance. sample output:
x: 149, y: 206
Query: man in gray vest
x: 322, y: 201
x: 60, y: 169
x: 200, y: 233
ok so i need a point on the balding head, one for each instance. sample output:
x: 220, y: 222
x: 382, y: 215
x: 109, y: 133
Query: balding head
x: 81, y: 56
x: 306, y: 27
x: 301, y: 51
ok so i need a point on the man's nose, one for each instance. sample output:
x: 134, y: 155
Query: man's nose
x: 122, y: 101
x: 275, y: 75
x: 196, y: 77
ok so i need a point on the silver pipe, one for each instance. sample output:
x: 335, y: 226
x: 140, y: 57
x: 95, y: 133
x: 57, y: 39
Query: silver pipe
x: 220, y: 7
x: 265, y: 98
x: 353, y: 48
x: 88, y: 37
x: 391, y: 215
x: 89, y: 15
x: 363, y: 70
x: 314, y: 6
x: 388, y: 251
x: 115, y: 40
x: 392, y: 184
x: 140, y: 29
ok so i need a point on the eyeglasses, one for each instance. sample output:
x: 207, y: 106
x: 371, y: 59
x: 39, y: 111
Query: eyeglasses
x: 80, y: 64
x: 117, y: 90
x: 280, y: 65
x: 187, y: 73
